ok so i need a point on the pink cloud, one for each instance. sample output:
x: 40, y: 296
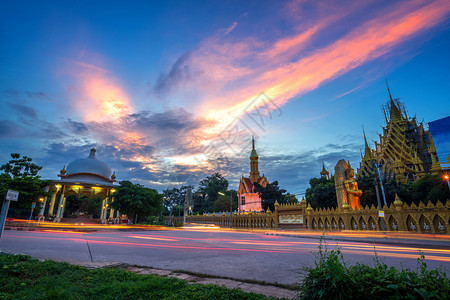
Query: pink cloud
x: 236, y: 71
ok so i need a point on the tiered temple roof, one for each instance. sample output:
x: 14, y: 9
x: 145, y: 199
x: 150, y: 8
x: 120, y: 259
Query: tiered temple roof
x: 405, y: 152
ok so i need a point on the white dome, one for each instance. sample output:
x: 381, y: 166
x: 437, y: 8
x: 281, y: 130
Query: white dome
x: 89, y: 165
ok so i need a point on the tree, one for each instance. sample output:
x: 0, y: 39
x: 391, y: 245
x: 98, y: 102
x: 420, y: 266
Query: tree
x: 137, y: 201
x: 209, y: 189
x: 223, y: 201
x: 290, y: 198
x: 322, y: 193
x: 20, y: 174
x: 270, y: 194
x: 174, y: 199
x: 428, y: 188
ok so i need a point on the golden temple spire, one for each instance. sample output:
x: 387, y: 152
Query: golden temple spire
x: 367, y: 151
x: 394, y: 112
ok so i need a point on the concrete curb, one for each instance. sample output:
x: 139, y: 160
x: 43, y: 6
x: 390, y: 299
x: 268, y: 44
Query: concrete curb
x: 266, y: 290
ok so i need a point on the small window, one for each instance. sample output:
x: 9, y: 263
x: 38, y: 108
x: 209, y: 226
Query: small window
x: 243, y: 200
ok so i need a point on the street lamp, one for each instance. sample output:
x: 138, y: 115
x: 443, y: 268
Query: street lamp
x: 447, y: 178
x: 380, y: 214
x: 231, y: 207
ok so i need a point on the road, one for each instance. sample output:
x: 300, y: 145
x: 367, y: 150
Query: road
x: 235, y: 254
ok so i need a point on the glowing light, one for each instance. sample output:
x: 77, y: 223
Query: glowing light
x: 96, y: 189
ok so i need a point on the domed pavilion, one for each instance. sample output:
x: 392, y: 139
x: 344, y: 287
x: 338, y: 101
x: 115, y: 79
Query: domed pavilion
x: 88, y: 177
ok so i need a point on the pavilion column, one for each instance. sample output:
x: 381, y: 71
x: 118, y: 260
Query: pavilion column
x: 52, y: 204
x: 117, y: 219
x: 60, y: 206
x: 111, y: 211
x: 63, y: 207
x: 41, y: 212
x: 104, y: 210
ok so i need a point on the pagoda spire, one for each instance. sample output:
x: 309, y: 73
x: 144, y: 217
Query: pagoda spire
x: 367, y: 151
x: 394, y: 112
x: 254, y: 172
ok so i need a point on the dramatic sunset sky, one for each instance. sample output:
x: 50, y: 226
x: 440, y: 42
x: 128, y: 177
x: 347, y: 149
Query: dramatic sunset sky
x: 172, y: 91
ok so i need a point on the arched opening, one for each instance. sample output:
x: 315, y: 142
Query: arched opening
x: 411, y: 224
x: 334, y: 225
x: 314, y: 223
x: 327, y: 224
x: 439, y: 225
x: 321, y: 226
x: 76, y: 207
x: 353, y: 224
x: 362, y: 224
x: 393, y: 224
x: 341, y: 224
x: 371, y: 224
x: 425, y: 224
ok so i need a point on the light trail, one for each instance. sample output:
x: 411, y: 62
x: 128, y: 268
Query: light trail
x: 288, y: 247
x: 153, y: 238
x: 412, y: 256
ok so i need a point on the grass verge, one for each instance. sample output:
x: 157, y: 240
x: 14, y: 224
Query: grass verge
x: 22, y: 277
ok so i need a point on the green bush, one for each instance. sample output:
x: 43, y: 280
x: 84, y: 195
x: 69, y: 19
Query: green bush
x: 332, y: 278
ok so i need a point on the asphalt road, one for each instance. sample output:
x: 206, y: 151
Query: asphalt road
x: 235, y: 254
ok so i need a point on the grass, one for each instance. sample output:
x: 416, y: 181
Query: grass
x: 332, y: 278
x: 22, y: 277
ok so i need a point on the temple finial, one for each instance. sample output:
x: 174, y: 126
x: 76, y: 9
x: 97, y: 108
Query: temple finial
x: 394, y: 113
x: 253, y: 142
x: 389, y: 91
x: 367, y: 151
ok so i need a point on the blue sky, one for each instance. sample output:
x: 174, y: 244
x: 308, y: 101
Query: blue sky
x: 169, y: 92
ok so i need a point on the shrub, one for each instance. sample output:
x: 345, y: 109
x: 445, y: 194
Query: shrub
x: 332, y: 278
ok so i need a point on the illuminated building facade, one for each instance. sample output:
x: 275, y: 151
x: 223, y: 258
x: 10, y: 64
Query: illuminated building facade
x: 88, y: 177
x: 406, y: 150
x: 249, y: 200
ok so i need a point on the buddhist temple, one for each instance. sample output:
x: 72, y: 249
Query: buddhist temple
x: 249, y: 200
x: 405, y: 151
x: 87, y: 177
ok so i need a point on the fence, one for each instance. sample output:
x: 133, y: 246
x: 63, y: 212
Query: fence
x: 398, y: 217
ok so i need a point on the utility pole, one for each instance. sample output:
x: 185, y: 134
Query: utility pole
x: 380, y: 210
x: 231, y: 209
x: 383, y: 223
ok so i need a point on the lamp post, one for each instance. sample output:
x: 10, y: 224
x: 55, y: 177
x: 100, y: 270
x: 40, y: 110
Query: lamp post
x: 447, y: 177
x: 381, y: 216
x: 231, y: 207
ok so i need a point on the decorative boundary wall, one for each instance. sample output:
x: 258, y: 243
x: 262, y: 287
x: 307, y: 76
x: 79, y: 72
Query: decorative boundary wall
x: 399, y: 217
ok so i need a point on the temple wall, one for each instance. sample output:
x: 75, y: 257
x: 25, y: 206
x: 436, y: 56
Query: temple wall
x: 420, y: 218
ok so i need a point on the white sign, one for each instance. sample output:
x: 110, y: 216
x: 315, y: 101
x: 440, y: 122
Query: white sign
x: 291, y: 219
x: 12, y: 195
x: 381, y: 213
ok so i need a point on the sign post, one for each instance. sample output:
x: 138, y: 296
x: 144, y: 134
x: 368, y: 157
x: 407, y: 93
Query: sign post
x: 33, y: 205
x: 10, y: 196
